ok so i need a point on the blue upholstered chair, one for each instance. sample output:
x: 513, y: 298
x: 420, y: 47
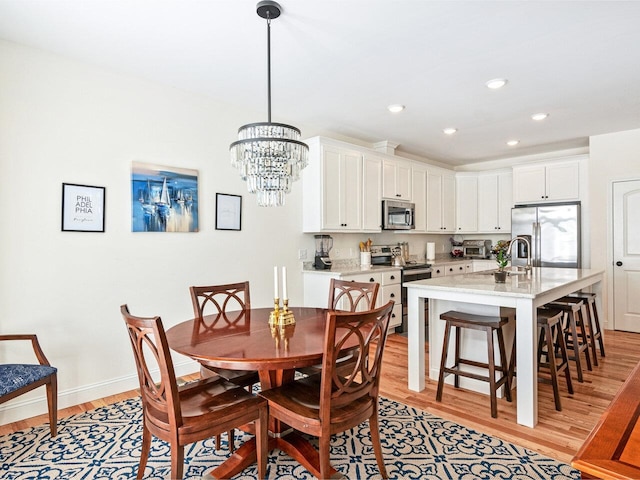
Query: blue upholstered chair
x: 16, y: 379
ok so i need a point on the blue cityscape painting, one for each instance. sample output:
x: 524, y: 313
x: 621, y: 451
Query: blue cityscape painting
x: 163, y: 199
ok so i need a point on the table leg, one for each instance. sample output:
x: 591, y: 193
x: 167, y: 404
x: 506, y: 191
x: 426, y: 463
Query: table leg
x: 282, y: 437
x: 293, y: 444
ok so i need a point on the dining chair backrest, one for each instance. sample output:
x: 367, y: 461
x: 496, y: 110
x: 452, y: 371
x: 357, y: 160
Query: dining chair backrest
x: 369, y: 331
x: 151, y: 351
x: 219, y: 300
x: 226, y: 308
x: 19, y: 378
x: 352, y: 296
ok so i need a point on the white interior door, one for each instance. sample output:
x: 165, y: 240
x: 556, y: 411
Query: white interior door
x: 626, y: 255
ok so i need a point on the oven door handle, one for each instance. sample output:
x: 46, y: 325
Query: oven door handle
x: 413, y: 272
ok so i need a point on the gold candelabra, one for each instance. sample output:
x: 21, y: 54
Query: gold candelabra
x: 281, y: 316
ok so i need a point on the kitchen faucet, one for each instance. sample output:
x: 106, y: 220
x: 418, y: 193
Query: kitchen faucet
x: 515, y: 240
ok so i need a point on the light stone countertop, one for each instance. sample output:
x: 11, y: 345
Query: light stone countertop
x: 540, y: 280
x: 350, y: 269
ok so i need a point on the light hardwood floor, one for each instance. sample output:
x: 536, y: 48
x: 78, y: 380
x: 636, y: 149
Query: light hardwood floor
x: 557, y: 435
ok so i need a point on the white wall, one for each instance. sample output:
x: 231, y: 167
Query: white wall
x: 613, y: 157
x: 62, y: 121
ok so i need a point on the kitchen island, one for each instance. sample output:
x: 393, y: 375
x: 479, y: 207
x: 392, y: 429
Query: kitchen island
x: 478, y: 293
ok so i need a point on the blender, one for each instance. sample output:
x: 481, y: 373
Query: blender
x: 323, y: 245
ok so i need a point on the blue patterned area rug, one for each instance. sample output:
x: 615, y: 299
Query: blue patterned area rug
x: 105, y: 444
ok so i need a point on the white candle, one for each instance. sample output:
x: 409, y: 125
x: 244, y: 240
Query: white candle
x: 275, y: 282
x: 284, y: 284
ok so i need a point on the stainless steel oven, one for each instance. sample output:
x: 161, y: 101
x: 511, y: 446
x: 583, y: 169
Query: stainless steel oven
x: 411, y: 273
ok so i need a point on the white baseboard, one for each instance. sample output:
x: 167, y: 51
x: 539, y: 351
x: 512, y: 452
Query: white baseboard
x: 36, y: 403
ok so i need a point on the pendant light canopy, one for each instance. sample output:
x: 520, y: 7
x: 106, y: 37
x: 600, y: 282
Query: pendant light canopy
x: 269, y: 155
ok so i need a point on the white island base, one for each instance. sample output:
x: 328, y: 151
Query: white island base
x: 478, y: 293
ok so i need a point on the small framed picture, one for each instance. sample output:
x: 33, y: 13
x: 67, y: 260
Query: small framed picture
x: 228, y: 211
x: 82, y: 208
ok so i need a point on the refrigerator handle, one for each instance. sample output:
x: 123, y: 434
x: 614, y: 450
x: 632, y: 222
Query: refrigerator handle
x: 536, y: 245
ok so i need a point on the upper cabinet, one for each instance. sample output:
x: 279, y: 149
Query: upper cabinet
x: 371, y: 193
x: 334, y: 192
x: 483, y: 202
x: 549, y: 182
x: 441, y: 201
x: 419, y: 189
x: 467, y: 208
x: 396, y: 179
x: 495, y: 200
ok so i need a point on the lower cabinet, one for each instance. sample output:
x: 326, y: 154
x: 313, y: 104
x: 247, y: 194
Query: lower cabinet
x: 316, y: 289
x: 451, y: 268
x: 461, y: 266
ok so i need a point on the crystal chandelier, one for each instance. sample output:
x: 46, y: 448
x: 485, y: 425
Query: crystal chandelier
x: 269, y: 155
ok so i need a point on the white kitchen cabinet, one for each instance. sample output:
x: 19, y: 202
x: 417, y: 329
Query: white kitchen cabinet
x: 390, y: 289
x: 334, y: 189
x: 558, y: 181
x: 451, y: 268
x: 419, y: 176
x: 441, y: 200
x: 467, y: 208
x: 495, y: 200
x: 316, y: 289
x: 371, y: 193
x: 396, y: 179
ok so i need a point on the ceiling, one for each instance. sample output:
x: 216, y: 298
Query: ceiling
x: 337, y: 64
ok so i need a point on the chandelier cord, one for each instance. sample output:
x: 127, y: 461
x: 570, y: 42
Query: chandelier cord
x: 268, y: 67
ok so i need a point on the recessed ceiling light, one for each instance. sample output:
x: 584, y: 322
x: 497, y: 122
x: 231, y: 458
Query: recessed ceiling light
x: 539, y: 116
x: 450, y: 131
x: 513, y: 143
x: 396, y: 108
x: 496, y: 83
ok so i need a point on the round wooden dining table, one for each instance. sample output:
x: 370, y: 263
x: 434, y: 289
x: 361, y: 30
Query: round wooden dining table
x: 245, y: 340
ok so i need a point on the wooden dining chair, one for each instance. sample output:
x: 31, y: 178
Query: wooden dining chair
x: 352, y: 296
x: 225, y: 307
x: 329, y: 403
x: 19, y: 378
x: 192, y: 412
x: 349, y: 296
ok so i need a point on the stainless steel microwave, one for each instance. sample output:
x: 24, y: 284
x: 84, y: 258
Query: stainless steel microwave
x: 398, y: 215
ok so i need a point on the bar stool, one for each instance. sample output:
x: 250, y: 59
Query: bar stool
x: 595, y: 319
x: 551, y: 340
x: 575, y: 335
x: 489, y: 325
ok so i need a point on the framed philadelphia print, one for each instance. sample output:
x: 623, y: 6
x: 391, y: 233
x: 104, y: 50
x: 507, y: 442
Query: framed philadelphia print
x: 82, y: 208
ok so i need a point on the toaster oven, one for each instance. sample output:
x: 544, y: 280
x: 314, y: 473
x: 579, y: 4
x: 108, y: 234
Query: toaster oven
x: 476, y: 248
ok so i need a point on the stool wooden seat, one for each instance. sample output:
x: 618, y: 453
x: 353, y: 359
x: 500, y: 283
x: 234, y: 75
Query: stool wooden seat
x: 551, y: 340
x: 592, y: 311
x: 575, y: 335
x: 488, y: 324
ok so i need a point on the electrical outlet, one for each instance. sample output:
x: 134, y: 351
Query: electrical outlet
x: 302, y: 254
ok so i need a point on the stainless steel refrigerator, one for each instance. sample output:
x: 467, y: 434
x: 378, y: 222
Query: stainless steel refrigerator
x: 553, y: 231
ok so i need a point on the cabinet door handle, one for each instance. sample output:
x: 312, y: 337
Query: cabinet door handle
x: 371, y: 280
x: 392, y: 295
x: 393, y: 277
